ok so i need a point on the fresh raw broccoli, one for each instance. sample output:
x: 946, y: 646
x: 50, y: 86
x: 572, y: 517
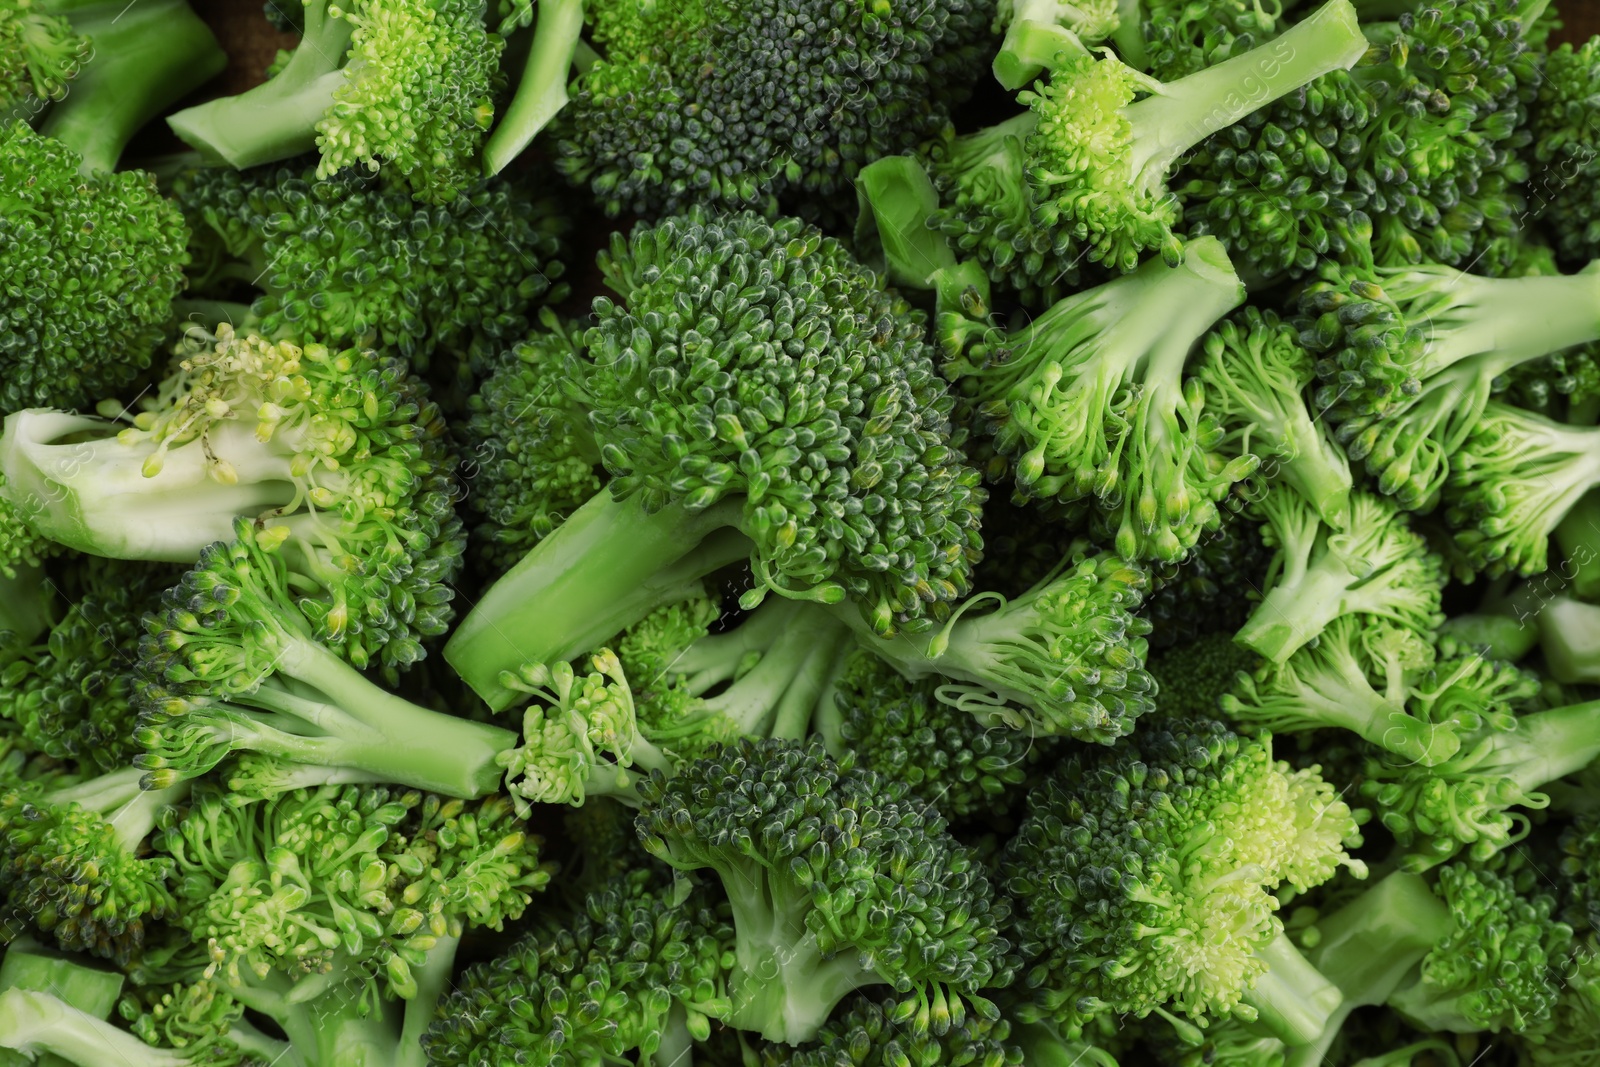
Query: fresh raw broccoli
x: 762, y: 103
x: 1565, y: 143
x: 402, y: 86
x: 1170, y: 845
x: 1515, y: 477
x: 350, y: 261
x: 1413, y: 154
x: 1568, y: 1039
x: 1255, y: 373
x: 44, y: 1028
x: 73, y: 692
x: 1211, y: 590
x: 203, y: 1025
x: 99, y: 72
x: 336, y: 455
x: 1469, y: 953
x: 40, y: 54
x: 805, y: 429
x: 944, y: 757
x: 1064, y: 658
x: 1377, y: 568
x: 1089, y: 400
x: 1569, y: 637
x: 529, y: 451
x: 1081, y: 177
x: 73, y: 859
x: 99, y: 260
x: 342, y: 892
x: 1409, y: 357
x: 821, y: 911
x: 1387, y: 684
x: 640, y: 968
x: 1466, y: 802
x: 1169, y: 39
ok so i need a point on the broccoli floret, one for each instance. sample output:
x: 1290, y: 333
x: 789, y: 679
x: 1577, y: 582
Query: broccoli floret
x: 1466, y: 801
x: 806, y: 418
x: 870, y: 1034
x: 641, y: 968
x: 1409, y: 357
x: 402, y: 86
x: 1413, y: 154
x: 343, y: 890
x: 1089, y: 400
x: 530, y: 454
x: 1170, y: 39
x: 944, y: 757
x: 1515, y: 477
x: 1565, y: 142
x: 1255, y: 373
x: 761, y: 103
x: 203, y: 1023
x: 1377, y: 568
x: 1064, y: 658
x: 1568, y: 1040
x: 42, y: 1026
x: 1169, y: 845
x: 350, y: 261
x: 99, y: 260
x: 1082, y: 175
x: 1386, y: 684
x: 336, y: 455
x: 72, y: 857
x: 820, y: 912
x: 40, y: 54
x: 73, y: 692
x: 1192, y: 678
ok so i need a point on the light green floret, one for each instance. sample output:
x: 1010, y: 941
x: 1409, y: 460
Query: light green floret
x: 1376, y: 567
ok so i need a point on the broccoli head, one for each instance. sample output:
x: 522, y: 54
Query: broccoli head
x: 816, y: 859
x: 1143, y: 879
x: 1565, y: 142
x: 94, y: 263
x: 40, y: 54
x: 755, y: 393
x: 762, y: 103
x: 351, y: 261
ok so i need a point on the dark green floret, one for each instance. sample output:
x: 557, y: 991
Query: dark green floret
x: 764, y: 103
x: 90, y: 267
x: 753, y: 393
x: 818, y: 861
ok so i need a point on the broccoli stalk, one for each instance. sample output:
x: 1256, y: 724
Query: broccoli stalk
x: 542, y: 90
x: 1569, y: 636
x: 1377, y: 566
x: 606, y: 567
x: 38, y: 1024
x: 277, y: 119
x: 1038, y: 29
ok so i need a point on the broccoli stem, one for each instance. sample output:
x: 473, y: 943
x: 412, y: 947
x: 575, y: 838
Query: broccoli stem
x: 1545, y: 746
x: 27, y: 603
x: 278, y: 119
x: 1578, y: 534
x: 1509, y: 321
x: 1500, y: 636
x: 897, y: 201
x: 119, y: 798
x: 606, y: 567
x: 89, y: 989
x: 1369, y: 946
x: 1033, y: 40
x: 1042, y: 1046
x: 1129, y: 34
x: 1182, y: 113
x: 781, y: 985
x: 542, y: 91
x: 1569, y: 632
x: 1293, y: 1000
x: 1295, y: 611
x: 433, y: 980
x: 145, y: 58
x: 37, y: 1024
x: 370, y: 729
